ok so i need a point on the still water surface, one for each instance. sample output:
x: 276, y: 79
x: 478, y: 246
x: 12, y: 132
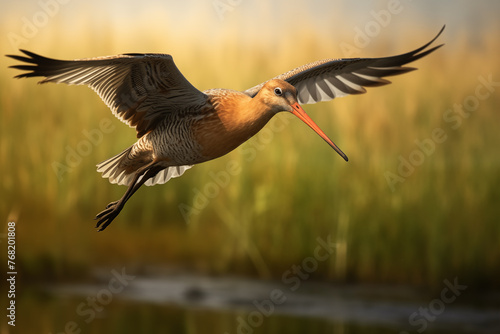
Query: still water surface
x: 181, y: 303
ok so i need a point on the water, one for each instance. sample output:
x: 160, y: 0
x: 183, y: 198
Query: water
x: 179, y: 303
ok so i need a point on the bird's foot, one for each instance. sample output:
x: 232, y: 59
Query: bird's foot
x: 111, y: 204
x: 106, y: 216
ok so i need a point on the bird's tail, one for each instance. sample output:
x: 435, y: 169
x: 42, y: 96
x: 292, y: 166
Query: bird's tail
x: 122, y: 168
x: 115, y: 168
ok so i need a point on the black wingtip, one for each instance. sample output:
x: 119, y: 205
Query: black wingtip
x: 24, y: 67
x: 442, y: 29
x: 438, y: 34
x: 32, y: 57
x: 33, y: 64
x: 421, y: 52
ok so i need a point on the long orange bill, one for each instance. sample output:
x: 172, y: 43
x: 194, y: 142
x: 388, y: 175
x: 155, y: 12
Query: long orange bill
x: 300, y: 113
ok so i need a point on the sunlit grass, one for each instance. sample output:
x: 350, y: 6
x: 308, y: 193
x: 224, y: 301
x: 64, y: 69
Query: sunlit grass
x: 441, y: 222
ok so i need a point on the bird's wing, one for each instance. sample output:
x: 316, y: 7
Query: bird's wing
x: 140, y: 89
x: 327, y: 79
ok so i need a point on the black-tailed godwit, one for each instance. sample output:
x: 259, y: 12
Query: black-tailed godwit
x: 179, y: 126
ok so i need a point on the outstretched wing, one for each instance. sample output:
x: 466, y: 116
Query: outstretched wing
x: 327, y: 79
x: 140, y: 89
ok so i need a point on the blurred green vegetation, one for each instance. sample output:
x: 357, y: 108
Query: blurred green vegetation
x: 290, y: 188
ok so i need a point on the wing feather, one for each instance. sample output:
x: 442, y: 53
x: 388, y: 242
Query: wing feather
x: 140, y: 89
x: 327, y: 79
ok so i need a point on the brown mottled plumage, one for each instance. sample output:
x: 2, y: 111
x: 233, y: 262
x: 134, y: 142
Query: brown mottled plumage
x: 179, y: 126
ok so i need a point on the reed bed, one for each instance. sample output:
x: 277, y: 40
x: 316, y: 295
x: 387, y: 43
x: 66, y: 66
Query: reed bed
x: 289, y: 187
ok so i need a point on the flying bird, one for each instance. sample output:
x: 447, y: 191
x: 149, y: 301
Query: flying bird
x: 179, y: 126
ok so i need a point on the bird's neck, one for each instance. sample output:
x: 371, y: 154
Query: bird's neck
x: 245, y: 114
x: 235, y: 118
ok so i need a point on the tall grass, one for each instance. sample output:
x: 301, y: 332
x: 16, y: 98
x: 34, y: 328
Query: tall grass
x: 441, y: 222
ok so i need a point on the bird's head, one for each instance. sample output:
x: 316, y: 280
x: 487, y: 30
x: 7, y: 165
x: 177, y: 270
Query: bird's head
x: 279, y: 96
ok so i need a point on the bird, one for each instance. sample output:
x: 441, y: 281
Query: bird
x: 178, y: 126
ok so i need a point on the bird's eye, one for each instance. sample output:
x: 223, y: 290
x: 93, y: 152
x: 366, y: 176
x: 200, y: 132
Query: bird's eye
x: 278, y: 91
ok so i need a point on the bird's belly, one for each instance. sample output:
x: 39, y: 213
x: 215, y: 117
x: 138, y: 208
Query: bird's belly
x: 217, y: 138
x: 196, y: 139
x: 174, y: 142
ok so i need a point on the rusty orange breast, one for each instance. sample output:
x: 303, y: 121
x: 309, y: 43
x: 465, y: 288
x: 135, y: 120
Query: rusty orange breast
x: 232, y: 120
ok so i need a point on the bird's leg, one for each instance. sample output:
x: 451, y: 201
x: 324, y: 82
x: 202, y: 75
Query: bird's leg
x: 113, y: 209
